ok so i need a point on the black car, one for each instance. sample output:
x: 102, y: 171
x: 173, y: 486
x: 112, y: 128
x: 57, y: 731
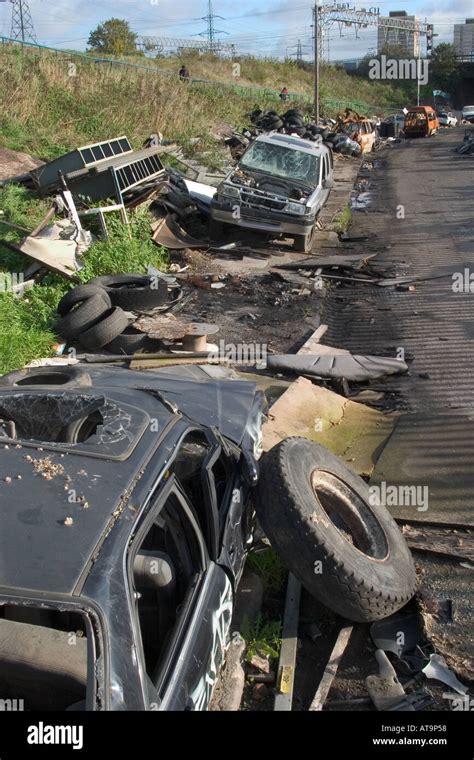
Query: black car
x: 126, y: 513
x: 124, y: 524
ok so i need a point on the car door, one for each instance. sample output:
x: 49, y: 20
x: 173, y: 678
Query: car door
x: 181, y: 627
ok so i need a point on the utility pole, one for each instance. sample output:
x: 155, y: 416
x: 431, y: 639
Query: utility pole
x: 22, y: 23
x: 299, y: 52
x: 211, y: 31
x: 316, y: 62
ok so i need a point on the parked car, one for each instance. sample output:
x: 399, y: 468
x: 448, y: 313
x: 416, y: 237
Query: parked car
x: 468, y: 114
x: 127, y: 510
x: 279, y: 186
x: 421, y: 121
x: 447, y: 119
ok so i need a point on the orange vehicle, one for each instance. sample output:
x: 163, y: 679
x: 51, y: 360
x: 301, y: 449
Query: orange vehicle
x: 421, y: 121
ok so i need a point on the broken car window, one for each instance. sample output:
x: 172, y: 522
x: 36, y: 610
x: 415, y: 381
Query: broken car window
x: 279, y: 161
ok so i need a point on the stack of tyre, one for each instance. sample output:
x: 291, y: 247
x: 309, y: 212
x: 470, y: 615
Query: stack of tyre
x: 292, y: 122
x: 97, y: 316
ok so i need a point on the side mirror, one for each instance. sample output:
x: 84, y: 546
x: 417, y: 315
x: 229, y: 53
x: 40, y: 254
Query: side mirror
x: 329, y: 184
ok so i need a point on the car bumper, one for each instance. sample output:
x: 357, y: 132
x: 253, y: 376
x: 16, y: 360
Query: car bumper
x: 263, y: 220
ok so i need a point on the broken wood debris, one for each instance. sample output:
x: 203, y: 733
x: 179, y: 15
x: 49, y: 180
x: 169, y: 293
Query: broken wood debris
x: 331, y: 669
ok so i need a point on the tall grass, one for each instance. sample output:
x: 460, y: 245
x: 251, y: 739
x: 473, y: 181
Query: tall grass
x: 45, y: 110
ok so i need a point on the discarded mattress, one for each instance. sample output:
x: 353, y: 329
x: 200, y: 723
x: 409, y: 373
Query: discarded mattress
x: 348, y: 366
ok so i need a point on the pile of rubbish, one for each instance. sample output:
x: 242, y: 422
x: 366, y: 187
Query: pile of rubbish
x: 292, y: 122
x: 101, y: 314
x: 467, y: 146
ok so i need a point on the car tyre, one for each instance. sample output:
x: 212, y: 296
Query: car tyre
x: 108, y: 327
x: 61, y: 377
x: 317, y: 514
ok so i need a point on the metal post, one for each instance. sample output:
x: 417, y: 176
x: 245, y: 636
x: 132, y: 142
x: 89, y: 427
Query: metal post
x: 418, y: 66
x: 316, y: 63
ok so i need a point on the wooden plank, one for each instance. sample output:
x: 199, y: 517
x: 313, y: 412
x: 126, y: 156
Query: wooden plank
x: 287, y: 664
x: 331, y: 669
x: 441, y: 541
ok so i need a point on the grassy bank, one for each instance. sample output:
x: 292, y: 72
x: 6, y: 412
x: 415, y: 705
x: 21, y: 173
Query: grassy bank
x: 44, y: 110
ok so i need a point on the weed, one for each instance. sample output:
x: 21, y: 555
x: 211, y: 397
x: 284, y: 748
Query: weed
x: 344, y: 220
x: 269, y: 567
x: 262, y: 637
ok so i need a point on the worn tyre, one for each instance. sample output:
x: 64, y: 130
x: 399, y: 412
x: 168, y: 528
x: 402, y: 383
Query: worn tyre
x: 62, y: 377
x: 293, y: 112
x: 80, y: 294
x: 128, y: 342
x: 133, y: 292
x: 317, y: 514
x: 304, y: 243
x: 81, y: 318
x: 109, y: 326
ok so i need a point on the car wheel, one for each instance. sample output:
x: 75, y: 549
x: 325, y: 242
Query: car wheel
x: 304, y: 243
x: 317, y: 514
x: 216, y: 230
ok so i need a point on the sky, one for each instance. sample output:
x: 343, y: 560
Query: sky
x: 267, y: 28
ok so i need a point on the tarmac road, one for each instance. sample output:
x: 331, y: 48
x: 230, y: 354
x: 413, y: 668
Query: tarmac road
x: 422, y: 214
x: 432, y: 189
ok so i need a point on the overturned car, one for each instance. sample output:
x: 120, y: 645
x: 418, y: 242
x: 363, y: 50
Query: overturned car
x: 127, y: 509
x: 279, y: 186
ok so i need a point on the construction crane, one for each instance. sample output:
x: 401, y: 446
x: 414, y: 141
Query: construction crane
x: 22, y: 24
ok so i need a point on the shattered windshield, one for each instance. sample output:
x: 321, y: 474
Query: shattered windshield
x: 279, y: 161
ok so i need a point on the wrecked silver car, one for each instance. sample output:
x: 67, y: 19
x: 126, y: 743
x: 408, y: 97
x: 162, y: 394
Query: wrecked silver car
x: 279, y: 186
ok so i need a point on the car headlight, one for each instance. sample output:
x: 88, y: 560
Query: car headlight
x: 295, y: 208
x: 230, y: 191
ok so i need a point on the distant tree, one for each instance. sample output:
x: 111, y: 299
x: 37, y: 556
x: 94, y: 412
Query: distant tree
x: 113, y: 37
x: 445, y: 70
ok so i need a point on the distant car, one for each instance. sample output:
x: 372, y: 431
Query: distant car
x: 468, y: 114
x: 279, y: 186
x: 392, y: 125
x: 421, y: 121
x: 446, y: 119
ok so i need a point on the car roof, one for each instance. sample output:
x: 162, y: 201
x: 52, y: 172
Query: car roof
x: 290, y: 141
x: 42, y: 485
